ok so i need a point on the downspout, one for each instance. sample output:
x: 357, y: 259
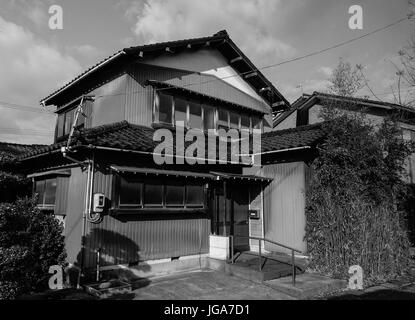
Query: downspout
x: 84, y: 222
x: 87, y: 210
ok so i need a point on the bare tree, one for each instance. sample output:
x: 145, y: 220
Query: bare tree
x: 346, y: 80
x: 404, y: 89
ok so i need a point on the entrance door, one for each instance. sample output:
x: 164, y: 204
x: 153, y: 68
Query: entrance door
x: 229, y: 214
x: 239, y: 195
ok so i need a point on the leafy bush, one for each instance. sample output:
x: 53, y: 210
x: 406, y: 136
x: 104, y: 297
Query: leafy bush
x: 30, y: 242
x: 352, y: 210
x: 13, y: 186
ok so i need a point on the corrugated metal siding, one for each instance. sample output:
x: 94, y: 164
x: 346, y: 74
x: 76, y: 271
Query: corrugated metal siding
x: 284, y: 205
x: 132, y: 238
x: 126, y: 97
x: 74, y: 210
x: 109, y: 105
x: 139, y: 99
x: 61, y: 195
x: 255, y: 225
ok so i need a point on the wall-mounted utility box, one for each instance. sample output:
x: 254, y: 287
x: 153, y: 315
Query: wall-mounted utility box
x: 99, y: 202
x: 253, y: 214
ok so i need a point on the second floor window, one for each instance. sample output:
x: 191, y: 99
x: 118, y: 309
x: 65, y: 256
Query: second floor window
x: 196, y: 115
x: 65, y: 122
x: 164, y: 108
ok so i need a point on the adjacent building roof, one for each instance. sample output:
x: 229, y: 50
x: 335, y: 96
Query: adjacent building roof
x: 325, y: 99
x: 305, y: 136
x: 12, y: 151
x: 221, y: 41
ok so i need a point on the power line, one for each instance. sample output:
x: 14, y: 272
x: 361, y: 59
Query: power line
x: 20, y: 107
x: 314, y: 53
x: 18, y: 131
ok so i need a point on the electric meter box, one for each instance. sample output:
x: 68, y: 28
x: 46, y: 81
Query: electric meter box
x: 99, y: 202
x: 254, y: 214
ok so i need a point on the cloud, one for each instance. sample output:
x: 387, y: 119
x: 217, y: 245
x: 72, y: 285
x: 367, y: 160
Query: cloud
x: 293, y: 91
x: 36, y: 11
x: 86, y: 51
x: 326, y: 71
x: 30, y: 70
x: 253, y: 25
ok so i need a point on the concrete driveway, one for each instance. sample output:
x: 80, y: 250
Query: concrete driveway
x: 206, y: 285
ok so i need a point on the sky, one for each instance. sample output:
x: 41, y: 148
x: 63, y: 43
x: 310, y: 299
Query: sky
x: 36, y: 60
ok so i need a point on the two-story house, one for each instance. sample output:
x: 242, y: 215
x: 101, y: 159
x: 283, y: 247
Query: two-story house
x: 103, y: 183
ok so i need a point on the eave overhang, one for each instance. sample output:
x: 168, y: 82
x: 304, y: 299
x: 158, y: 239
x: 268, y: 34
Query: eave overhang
x: 167, y: 87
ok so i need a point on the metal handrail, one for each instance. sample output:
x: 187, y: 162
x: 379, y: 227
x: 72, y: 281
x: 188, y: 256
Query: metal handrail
x: 260, y: 254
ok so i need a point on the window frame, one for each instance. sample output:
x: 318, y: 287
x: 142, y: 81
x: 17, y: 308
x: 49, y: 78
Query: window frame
x: 42, y: 205
x: 203, y: 107
x: 164, y: 208
x: 66, y: 131
x: 139, y: 205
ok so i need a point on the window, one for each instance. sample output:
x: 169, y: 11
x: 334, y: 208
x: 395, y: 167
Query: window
x: 180, y: 110
x: 142, y: 194
x: 46, y: 191
x: 170, y: 110
x: 194, y: 195
x: 164, y: 107
x: 223, y: 122
x: 65, y: 122
x: 195, y: 115
x: 256, y: 123
x: 175, y: 195
x: 60, y: 125
x: 234, y: 120
x: 208, y: 117
x: 245, y: 122
x: 69, y: 117
x: 153, y: 195
x: 131, y: 194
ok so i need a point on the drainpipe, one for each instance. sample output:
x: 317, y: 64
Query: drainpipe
x: 84, y: 214
x: 65, y: 151
x: 87, y: 210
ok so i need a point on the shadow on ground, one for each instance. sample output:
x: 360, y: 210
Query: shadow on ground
x: 386, y: 294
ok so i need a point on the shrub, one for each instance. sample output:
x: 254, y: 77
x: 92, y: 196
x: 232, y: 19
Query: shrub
x: 30, y: 242
x: 352, y: 210
x: 13, y: 186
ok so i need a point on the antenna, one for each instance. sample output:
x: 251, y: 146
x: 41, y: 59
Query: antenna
x: 300, y: 86
x: 79, y: 110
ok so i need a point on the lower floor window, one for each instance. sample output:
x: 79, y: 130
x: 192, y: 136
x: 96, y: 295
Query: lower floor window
x: 144, y: 193
x: 46, y: 191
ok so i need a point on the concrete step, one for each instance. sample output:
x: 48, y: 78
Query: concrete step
x: 246, y: 266
x: 249, y: 273
x: 307, y: 285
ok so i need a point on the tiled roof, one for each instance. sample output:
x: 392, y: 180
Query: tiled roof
x: 121, y: 135
x: 330, y: 100
x: 232, y: 51
x: 325, y: 97
x: 309, y: 135
x: 11, y: 151
x: 129, y: 137
x: 294, y: 106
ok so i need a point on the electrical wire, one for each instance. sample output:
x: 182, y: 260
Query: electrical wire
x: 311, y: 54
